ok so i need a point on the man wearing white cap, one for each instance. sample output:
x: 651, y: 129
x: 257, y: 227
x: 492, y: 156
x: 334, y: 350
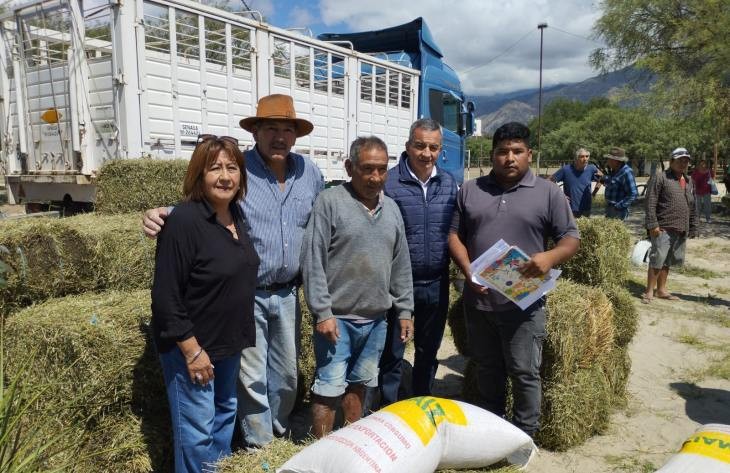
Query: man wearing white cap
x: 670, y: 218
x: 282, y: 187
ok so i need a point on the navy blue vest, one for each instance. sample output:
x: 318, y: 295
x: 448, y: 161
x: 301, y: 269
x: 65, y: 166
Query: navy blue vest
x: 427, y: 221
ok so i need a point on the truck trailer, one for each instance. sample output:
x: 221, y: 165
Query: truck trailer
x: 85, y: 83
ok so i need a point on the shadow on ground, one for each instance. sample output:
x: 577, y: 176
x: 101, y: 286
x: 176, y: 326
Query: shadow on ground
x: 704, y: 405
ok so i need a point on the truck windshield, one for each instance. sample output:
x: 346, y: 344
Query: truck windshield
x: 444, y: 108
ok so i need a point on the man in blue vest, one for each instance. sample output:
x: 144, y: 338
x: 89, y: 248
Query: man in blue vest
x: 426, y: 196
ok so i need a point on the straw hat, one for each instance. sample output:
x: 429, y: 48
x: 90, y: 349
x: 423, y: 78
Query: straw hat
x: 277, y: 107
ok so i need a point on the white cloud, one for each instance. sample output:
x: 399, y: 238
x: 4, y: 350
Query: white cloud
x: 471, y: 32
x: 300, y: 17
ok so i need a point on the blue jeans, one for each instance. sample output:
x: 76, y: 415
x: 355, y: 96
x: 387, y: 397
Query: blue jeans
x: 508, y: 344
x: 352, y: 359
x: 613, y: 212
x: 203, y: 417
x: 431, y: 304
x: 267, y: 382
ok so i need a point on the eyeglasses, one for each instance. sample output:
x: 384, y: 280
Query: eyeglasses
x: 420, y: 146
x: 207, y: 137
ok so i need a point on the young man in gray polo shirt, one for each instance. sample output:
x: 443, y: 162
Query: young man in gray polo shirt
x: 512, y: 204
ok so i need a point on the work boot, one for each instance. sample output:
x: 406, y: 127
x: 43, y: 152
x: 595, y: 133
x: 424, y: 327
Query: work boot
x: 323, y: 415
x: 352, y: 403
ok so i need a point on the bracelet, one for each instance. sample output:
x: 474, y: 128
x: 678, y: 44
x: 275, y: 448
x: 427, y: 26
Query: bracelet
x: 195, y: 356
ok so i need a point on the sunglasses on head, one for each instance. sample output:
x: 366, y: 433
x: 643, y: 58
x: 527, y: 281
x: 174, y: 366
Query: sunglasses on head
x: 207, y: 137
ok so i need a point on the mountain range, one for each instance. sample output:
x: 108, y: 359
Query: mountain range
x: 522, y: 105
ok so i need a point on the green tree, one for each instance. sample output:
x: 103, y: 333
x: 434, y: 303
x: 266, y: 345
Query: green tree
x: 562, y: 110
x: 685, y: 42
x: 480, y: 148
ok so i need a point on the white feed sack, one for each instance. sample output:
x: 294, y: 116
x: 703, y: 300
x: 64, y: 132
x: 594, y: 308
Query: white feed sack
x: 417, y: 435
x: 705, y: 451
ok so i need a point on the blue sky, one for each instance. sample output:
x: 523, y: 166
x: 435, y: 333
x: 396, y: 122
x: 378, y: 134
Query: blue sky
x: 493, y: 45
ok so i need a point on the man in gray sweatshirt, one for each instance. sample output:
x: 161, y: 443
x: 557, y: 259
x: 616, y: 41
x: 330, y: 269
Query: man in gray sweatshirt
x: 355, y: 265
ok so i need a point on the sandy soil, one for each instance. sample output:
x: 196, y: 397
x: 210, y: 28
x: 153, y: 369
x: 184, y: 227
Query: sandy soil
x: 670, y: 395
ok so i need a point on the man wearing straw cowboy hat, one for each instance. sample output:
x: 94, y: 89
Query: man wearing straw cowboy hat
x: 620, y: 185
x: 282, y: 187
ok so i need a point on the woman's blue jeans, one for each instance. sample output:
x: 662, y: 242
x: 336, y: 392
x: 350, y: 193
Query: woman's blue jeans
x: 203, y: 417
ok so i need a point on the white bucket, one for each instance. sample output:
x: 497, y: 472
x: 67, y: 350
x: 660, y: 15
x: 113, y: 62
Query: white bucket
x: 640, y: 255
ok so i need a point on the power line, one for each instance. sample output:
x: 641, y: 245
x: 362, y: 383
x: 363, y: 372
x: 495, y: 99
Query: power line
x: 575, y: 35
x: 509, y: 48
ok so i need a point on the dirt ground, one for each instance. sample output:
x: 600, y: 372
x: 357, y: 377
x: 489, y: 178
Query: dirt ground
x: 675, y: 383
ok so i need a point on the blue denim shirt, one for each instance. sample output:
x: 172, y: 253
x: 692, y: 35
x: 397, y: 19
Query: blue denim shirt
x: 277, y: 219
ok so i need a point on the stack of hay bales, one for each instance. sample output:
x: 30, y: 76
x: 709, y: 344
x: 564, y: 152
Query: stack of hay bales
x: 91, y: 357
x: 129, y: 185
x: 47, y: 257
x: 591, y: 319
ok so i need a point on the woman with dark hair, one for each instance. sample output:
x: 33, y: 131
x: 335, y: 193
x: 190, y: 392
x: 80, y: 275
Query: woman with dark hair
x: 202, y: 302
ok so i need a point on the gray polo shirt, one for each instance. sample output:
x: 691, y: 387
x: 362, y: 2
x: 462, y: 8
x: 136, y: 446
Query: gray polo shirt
x: 525, y: 216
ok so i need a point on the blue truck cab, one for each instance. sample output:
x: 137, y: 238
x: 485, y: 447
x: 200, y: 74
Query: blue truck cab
x: 440, y: 96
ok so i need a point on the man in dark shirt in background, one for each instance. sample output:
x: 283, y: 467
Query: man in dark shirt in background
x: 671, y: 217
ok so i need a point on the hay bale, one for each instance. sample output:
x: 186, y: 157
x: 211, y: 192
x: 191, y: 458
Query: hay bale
x: 47, y: 257
x: 603, y: 256
x: 457, y: 321
x: 106, y: 386
x: 617, y: 368
x: 574, y: 408
x: 129, y: 185
x: 625, y: 313
x: 44, y: 258
x: 579, y: 329
x: 306, y: 363
x: 123, y: 257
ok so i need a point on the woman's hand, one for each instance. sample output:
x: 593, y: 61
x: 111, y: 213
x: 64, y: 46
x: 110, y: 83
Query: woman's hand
x: 201, y: 370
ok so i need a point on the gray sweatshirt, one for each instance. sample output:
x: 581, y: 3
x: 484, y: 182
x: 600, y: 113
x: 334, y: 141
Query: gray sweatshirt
x: 354, y: 263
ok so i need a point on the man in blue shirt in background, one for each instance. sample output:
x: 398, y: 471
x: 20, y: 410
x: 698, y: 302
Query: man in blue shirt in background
x: 577, y: 178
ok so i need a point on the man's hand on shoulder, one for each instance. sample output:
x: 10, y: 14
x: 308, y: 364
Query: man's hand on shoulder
x: 153, y: 221
x: 328, y: 329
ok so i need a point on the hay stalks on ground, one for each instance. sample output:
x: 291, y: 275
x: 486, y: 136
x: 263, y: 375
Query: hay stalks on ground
x: 603, y: 256
x: 48, y: 257
x: 94, y: 354
x: 133, y: 185
x: 263, y: 460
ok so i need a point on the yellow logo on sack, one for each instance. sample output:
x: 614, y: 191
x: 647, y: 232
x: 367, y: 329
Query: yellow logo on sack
x: 714, y: 445
x: 424, y: 414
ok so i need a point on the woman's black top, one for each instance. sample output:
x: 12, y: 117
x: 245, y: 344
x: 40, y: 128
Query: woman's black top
x: 205, y: 282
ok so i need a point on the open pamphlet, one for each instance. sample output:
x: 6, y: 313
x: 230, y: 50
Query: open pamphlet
x: 497, y: 268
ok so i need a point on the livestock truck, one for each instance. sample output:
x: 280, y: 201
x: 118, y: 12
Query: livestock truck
x: 82, y: 83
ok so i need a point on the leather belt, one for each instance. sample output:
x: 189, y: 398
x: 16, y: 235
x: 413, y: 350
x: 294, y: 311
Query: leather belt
x: 278, y: 286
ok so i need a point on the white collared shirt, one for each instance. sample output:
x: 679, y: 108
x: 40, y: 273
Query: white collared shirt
x: 424, y: 184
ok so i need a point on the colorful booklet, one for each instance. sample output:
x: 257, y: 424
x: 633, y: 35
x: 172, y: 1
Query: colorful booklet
x: 498, y: 269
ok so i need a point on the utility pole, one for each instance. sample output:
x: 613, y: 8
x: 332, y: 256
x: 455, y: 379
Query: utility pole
x: 541, y: 27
